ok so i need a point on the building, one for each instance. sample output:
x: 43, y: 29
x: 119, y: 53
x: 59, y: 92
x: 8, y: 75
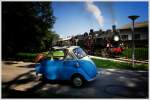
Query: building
x: 140, y: 34
x: 63, y: 41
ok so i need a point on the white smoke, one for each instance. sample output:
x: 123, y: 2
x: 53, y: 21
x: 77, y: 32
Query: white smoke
x: 95, y: 11
x: 115, y: 23
x: 112, y: 14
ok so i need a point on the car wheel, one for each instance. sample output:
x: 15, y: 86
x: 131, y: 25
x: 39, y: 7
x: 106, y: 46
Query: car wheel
x: 78, y: 81
x: 44, y: 78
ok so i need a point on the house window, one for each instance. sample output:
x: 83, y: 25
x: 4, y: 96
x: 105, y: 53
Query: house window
x: 124, y: 37
x: 137, y: 36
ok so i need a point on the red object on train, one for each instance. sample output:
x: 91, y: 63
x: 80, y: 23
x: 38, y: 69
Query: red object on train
x: 117, y: 50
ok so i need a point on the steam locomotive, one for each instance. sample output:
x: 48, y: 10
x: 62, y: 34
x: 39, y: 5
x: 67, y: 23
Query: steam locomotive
x: 111, y: 45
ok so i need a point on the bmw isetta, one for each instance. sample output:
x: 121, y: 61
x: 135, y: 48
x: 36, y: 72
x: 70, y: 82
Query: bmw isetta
x: 68, y: 63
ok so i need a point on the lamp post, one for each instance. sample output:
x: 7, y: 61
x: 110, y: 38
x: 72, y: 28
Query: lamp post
x: 133, y: 18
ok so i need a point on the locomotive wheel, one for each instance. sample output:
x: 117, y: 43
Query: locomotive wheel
x: 104, y: 53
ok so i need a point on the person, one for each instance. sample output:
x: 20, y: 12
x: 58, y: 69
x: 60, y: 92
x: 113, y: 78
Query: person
x: 38, y: 59
x: 109, y: 48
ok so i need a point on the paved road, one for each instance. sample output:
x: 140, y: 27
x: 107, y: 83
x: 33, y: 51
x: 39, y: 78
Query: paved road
x: 18, y: 82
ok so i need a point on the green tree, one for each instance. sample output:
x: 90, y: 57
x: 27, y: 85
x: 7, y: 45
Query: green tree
x: 26, y: 26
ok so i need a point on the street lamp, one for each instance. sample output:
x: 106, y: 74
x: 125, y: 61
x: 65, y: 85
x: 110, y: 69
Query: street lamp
x: 133, y: 18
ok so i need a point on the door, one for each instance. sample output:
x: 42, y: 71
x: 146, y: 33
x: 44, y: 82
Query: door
x: 68, y: 68
x: 52, y: 69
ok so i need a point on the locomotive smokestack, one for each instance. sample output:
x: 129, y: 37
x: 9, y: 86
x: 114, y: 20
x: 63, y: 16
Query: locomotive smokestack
x: 114, y: 28
x: 91, y: 30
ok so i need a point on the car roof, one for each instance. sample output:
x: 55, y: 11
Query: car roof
x: 58, y: 48
x: 73, y: 47
x: 64, y: 47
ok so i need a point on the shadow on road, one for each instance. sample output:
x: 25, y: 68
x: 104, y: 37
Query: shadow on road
x: 10, y: 62
x: 8, y: 90
x: 28, y: 66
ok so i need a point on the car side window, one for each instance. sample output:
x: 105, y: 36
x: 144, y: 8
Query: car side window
x: 58, y: 55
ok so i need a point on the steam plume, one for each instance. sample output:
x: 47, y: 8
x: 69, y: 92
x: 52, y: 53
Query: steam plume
x: 112, y: 13
x: 95, y: 11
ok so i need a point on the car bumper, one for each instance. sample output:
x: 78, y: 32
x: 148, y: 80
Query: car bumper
x: 97, y: 74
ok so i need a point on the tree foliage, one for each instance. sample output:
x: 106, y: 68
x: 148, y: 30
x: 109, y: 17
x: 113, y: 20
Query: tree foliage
x: 26, y: 26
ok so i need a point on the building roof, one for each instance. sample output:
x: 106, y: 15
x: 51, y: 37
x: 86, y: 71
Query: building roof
x: 137, y: 25
x: 64, y: 39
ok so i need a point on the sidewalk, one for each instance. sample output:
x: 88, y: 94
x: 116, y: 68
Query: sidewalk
x: 119, y: 59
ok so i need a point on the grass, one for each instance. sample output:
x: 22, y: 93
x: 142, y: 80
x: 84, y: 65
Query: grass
x: 119, y: 65
x: 140, y: 53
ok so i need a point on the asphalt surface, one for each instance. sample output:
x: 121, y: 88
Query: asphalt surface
x: 18, y: 81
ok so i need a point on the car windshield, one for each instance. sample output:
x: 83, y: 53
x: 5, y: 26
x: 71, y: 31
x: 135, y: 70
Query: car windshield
x: 79, y: 53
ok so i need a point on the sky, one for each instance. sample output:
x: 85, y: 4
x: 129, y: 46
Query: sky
x: 73, y: 18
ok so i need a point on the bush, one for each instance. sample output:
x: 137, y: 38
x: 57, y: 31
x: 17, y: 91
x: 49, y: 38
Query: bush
x: 31, y: 56
x: 140, y: 53
x: 25, y: 56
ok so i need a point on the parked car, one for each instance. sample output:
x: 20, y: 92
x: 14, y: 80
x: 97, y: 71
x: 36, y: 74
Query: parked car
x: 68, y: 63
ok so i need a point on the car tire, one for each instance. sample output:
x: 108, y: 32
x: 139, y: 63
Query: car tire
x: 44, y: 78
x: 77, y: 81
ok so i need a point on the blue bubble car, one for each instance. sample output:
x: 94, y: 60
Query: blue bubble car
x: 68, y: 63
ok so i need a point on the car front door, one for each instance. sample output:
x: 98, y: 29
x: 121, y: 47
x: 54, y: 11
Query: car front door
x: 52, y: 69
x: 69, y: 67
